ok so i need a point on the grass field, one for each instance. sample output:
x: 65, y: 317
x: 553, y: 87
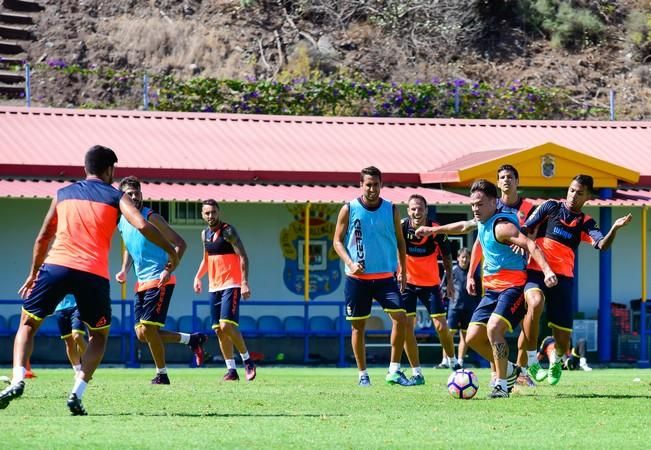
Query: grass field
x: 324, y: 408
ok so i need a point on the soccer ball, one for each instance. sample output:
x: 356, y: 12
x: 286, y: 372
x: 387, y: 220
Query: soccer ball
x: 463, y: 384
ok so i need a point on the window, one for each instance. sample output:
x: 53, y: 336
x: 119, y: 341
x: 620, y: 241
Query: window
x: 162, y: 208
x: 186, y: 213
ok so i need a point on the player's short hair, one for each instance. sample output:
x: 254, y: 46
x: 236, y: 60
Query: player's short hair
x: 510, y: 168
x: 417, y: 197
x: 485, y: 186
x: 586, y: 181
x: 98, y: 159
x: 130, y: 182
x: 463, y: 251
x: 371, y: 171
x: 210, y: 202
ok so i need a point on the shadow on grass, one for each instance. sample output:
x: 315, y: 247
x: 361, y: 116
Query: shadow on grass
x: 182, y: 414
x: 612, y: 396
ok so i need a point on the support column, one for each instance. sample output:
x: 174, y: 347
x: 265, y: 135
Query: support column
x: 605, y: 284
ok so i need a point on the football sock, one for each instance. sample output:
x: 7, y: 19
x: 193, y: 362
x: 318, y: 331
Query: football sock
x: 502, y: 382
x: 18, y: 375
x: 363, y: 373
x: 245, y: 356
x: 452, y: 361
x: 532, y: 357
x: 230, y: 364
x: 185, y: 338
x: 79, y: 388
x: 76, y: 367
x: 161, y: 370
x: 509, y: 369
x: 394, y: 367
x: 416, y: 371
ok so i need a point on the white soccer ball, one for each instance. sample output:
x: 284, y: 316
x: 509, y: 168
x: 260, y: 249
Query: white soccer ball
x: 463, y: 384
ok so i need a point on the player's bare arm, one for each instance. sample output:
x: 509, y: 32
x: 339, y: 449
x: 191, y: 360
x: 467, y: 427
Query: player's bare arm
x: 168, y: 233
x: 402, y: 250
x: 508, y: 233
x: 233, y: 238
x: 41, y: 246
x: 475, y: 258
x: 134, y: 217
x: 203, y: 267
x: 460, y: 227
x: 127, y: 262
x: 338, y: 241
x: 607, y: 241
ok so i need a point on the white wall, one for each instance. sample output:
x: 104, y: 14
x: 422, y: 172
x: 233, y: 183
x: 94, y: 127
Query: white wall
x: 260, y: 226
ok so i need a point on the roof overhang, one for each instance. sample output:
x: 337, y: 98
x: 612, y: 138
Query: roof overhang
x: 547, y: 165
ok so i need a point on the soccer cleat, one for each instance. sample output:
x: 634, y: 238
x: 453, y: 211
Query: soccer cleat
x: 196, y: 345
x: 417, y: 380
x: 583, y: 364
x: 554, y: 373
x: 510, y: 379
x: 398, y: 378
x: 231, y: 375
x: 525, y: 380
x: 161, y: 378
x: 498, y: 392
x: 249, y: 369
x: 29, y: 374
x: 456, y: 367
x: 364, y: 381
x: 536, y: 371
x: 11, y: 392
x: 75, y: 406
x: 442, y: 365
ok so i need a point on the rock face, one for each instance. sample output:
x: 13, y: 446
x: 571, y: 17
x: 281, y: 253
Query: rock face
x: 267, y: 39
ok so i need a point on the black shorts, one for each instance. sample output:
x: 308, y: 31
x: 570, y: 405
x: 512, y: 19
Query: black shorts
x: 69, y: 321
x: 560, y: 313
x: 359, y: 295
x: 54, y: 282
x: 508, y: 305
x: 225, y: 306
x: 152, y: 305
x: 429, y: 296
x: 459, y: 319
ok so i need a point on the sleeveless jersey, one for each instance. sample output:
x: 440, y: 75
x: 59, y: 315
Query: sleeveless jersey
x: 423, y: 254
x: 224, y: 267
x: 502, y: 267
x: 87, y: 215
x: 371, y: 237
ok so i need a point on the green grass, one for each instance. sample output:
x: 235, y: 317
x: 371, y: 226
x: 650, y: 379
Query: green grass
x: 324, y: 408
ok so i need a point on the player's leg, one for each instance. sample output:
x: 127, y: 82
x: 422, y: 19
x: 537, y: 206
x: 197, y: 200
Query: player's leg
x: 229, y: 325
x: 534, y: 294
x: 358, y: 299
x: 225, y: 344
x: 387, y: 293
x: 409, y: 298
x: 64, y: 321
x: 438, y: 314
x: 560, y: 315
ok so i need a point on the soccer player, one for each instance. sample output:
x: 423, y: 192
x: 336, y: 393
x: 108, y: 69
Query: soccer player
x: 423, y: 283
x: 155, y: 283
x: 72, y: 331
x: 462, y: 304
x: 573, y: 360
x: 563, y: 227
x: 368, y: 239
x: 227, y: 264
x: 79, y: 225
x: 502, y: 306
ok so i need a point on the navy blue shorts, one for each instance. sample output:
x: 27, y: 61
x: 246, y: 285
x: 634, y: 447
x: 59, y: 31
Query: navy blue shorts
x: 152, y: 305
x: 558, y: 299
x: 68, y: 320
x: 429, y: 296
x: 54, y: 282
x: 508, y: 305
x: 459, y: 319
x: 225, y: 306
x: 359, y: 295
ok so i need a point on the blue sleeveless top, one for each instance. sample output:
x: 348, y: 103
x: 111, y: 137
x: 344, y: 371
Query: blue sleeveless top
x: 371, y: 237
x: 149, y: 260
x: 498, y: 256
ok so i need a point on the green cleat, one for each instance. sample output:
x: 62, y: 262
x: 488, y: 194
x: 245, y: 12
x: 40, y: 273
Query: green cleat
x: 397, y: 378
x: 555, y: 372
x: 536, y: 372
x: 417, y: 380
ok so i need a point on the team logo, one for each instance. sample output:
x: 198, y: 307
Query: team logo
x: 548, y: 166
x: 324, y: 266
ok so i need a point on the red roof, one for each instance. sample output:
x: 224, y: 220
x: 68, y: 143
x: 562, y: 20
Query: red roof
x: 263, y: 193
x: 201, y: 146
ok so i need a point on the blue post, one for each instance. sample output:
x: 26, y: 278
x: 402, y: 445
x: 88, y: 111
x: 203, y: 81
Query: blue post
x: 575, y: 287
x: 306, y: 331
x: 342, y: 333
x: 28, y: 86
x: 145, y: 92
x: 133, y: 361
x: 611, y: 101
x: 605, y: 285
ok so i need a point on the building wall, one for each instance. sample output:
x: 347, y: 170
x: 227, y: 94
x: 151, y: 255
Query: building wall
x: 261, y: 226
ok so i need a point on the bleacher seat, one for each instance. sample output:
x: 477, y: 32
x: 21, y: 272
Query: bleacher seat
x: 49, y: 327
x: 187, y: 325
x: 4, y: 325
x: 270, y: 324
x: 294, y: 324
x: 116, y: 327
x: 247, y: 324
x: 170, y: 324
x: 321, y: 324
x: 14, y: 323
